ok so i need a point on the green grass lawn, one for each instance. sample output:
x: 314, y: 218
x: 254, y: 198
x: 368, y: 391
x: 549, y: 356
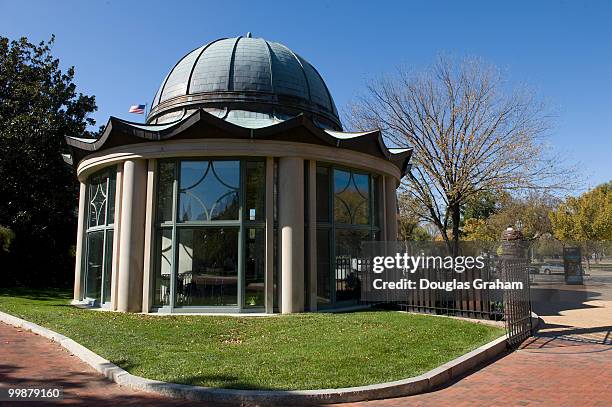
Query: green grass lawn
x: 303, y: 351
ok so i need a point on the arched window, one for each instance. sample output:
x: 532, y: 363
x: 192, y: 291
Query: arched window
x: 99, y: 236
x: 348, y: 213
x: 210, y: 236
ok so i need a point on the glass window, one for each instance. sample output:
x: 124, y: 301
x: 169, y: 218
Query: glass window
x: 97, y: 200
x: 209, y: 190
x: 207, y: 269
x: 108, y: 260
x: 163, y: 268
x: 255, y: 271
x: 202, y: 264
x: 356, y: 217
x: 98, y: 241
x: 322, y: 194
x: 95, y: 258
x: 112, y: 184
x: 351, y: 198
x: 349, y: 258
x: 165, y: 187
x: 323, y: 267
x: 376, y: 193
x: 255, y: 190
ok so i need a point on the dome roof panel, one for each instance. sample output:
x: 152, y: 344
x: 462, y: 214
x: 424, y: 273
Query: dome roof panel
x: 248, y: 74
x: 252, y: 66
x: 176, y: 84
x: 318, y: 90
x: 211, y: 72
x: 161, y: 87
x: 289, y: 78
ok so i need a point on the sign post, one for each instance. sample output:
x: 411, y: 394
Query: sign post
x: 572, y: 264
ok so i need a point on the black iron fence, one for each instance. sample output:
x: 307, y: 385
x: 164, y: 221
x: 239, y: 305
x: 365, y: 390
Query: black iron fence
x: 498, y: 290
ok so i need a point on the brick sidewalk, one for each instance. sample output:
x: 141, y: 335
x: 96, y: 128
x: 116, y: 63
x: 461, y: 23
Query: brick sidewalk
x: 548, y: 371
x: 29, y: 359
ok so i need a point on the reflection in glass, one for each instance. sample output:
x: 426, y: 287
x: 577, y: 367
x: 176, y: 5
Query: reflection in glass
x: 100, y: 218
x: 349, y: 258
x: 112, y: 182
x: 322, y: 194
x: 95, y: 254
x: 108, y: 260
x: 255, y: 268
x: 163, y: 267
x: 351, y: 197
x: 323, y: 267
x: 376, y: 193
x: 209, y: 190
x: 255, y: 190
x: 207, y: 272
x: 165, y: 186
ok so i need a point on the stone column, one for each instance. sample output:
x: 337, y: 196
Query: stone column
x: 117, y: 236
x: 312, y: 234
x: 391, y: 208
x: 269, y: 278
x: 78, y: 261
x: 131, y: 249
x: 149, y: 238
x: 291, y: 225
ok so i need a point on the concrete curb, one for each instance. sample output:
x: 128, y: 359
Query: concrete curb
x: 406, y: 387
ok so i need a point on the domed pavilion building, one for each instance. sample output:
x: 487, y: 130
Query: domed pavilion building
x: 240, y: 193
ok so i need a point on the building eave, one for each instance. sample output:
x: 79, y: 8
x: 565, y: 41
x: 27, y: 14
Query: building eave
x: 202, y: 124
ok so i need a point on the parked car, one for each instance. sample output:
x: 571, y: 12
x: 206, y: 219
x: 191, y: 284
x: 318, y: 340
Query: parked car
x: 533, y: 270
x: 550, y: 268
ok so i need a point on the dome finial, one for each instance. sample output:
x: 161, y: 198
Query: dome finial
x: 249, y: 35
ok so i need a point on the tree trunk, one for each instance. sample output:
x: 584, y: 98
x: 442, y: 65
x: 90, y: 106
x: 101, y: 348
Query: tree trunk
x: 456, y: 217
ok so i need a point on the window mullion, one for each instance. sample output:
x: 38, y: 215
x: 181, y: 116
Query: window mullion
x: 174, y: 257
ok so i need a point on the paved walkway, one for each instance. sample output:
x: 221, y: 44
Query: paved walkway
x: 546, y: 371
x: 29, y: 359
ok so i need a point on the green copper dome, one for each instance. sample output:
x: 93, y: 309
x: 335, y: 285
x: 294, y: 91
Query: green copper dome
x: 245, y: 80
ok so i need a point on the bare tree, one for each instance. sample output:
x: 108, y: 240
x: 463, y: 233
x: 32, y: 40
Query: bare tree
x: 469, y: 134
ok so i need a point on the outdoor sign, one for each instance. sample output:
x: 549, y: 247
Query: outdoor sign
x: 572, y: 265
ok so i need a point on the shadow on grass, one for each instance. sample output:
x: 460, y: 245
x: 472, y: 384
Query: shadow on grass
x: 38, y: 294
x: 223, y: 381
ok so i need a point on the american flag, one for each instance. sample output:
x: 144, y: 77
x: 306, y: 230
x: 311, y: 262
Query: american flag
x: 138, y: 109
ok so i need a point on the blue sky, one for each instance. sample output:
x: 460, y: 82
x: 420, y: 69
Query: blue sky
x: 562, y: 49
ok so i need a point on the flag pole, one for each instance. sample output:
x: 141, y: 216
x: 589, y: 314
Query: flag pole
x: 145, y: 115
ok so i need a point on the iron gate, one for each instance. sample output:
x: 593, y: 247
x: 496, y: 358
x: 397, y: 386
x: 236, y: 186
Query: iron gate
x: 517, y: 303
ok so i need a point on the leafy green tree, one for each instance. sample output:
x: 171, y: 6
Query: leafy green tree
x: 39, y: 105
x: 476, y: 212
x: 6, y: 238
x: 587, y: 217
x: 530, y: 214
x: 586, y: 220
x: 481, y: 205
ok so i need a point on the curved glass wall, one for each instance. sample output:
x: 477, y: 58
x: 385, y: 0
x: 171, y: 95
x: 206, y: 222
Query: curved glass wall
x: 99, y: 232
x: 210, y: 236
x: 347, y: 213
